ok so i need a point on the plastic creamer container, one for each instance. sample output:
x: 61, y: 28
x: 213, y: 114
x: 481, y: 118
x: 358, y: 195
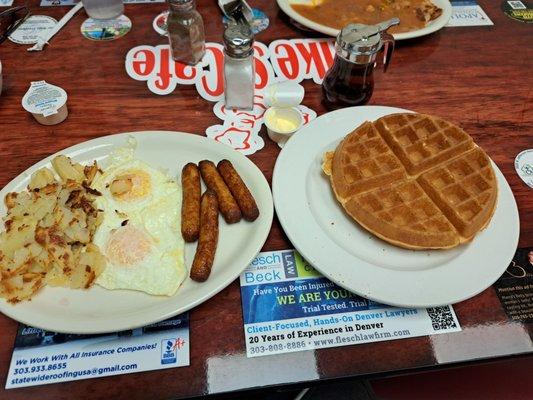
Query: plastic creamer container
x: 46, y: 102
x: 283, y: 118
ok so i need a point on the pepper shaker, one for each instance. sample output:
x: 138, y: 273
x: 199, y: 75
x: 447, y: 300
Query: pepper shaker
x: 239, y: 71
x: 185, y: 31
x: 350, y: 81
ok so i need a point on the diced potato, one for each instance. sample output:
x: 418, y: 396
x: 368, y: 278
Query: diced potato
x: 11, y: 200
x: 120, y: 186
x: 49, y: 231
x: 41, y: 178
x: 68, y: 170
x: 90, y: 172
x: 93, y: 263
x: 21, y: 256
x: 78, y: 167
x: 43, y: 207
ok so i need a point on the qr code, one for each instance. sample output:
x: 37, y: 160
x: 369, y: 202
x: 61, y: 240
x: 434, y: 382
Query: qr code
x: 516, y: 5
x: 441, y: 318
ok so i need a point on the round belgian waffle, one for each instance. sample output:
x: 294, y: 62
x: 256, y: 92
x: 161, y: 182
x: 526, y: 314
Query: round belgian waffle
x: 414, y: 180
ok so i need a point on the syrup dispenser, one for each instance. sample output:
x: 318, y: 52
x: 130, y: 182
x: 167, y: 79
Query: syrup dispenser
x: 350, y: 81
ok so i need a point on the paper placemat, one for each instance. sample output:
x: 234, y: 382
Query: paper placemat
x: 42, y: 357
x: 515, y: 287
x: 468, y: 13
x: 289, y: 306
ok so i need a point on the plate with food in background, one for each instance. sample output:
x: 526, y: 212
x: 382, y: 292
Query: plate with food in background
x: 417, y: 17
x: 398, y: 207
x: 124, y: 230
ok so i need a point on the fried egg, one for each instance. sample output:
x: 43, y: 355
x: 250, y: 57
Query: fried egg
x: 140, y: 233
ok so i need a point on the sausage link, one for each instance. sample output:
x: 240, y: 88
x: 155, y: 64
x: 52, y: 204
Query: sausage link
x: 190, y: 208
x: 238, y: 189
x: 207, y: 242
x: 227, y: 204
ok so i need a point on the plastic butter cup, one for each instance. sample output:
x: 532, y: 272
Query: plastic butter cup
x: 47, y: 103
x: 281, y: 123
x: 283, y: 118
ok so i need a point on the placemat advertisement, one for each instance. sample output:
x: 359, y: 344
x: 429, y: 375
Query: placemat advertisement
x: 515, y: 287
x: 41, y: 357
x: 289, y: 306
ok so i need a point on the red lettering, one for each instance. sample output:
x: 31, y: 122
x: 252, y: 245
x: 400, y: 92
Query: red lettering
x: 143, y: 62
x: 213, y: 79
x: 328, y: 50
x: 181, y: 71
x: 312, y: 57
x: 163, y: 74
x: 288, y: 65
x: 261, y: 71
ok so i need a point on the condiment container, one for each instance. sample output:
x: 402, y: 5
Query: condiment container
x: 283, y: 118
x: 350, y: 81
x: 186, y: 33
x: 281, y: 123
x: 239, y: 69
x: 284, y: 94
x: 46, y: 102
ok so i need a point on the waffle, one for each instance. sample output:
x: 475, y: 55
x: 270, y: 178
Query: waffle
x: 414, y: 180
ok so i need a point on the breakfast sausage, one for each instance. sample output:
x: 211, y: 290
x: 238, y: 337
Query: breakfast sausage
x: 207, y: 242
x: 227, y: 204
x: 190, y: 208
x: 238, y: 189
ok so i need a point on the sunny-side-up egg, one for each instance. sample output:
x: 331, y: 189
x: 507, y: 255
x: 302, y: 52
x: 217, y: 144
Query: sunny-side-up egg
x: 140, y: 233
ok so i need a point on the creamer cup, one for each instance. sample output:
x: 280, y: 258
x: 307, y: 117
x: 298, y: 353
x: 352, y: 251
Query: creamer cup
x: 46, y: 102
x: 284, y: 94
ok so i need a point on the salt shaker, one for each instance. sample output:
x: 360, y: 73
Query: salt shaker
x: 350, y: 81
x: 239, y: 71
x: 185, y: 31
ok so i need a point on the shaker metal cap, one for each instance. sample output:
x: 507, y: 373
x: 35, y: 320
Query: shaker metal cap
x: 238, y: 40
x: 180, y: 2
x: 363, y: 39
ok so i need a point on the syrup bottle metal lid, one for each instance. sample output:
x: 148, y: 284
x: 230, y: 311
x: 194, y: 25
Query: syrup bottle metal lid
x: 358, y: 39
x: 238, y: 40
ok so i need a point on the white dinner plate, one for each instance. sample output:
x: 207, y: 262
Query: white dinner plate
x: 431, y: 27
x: 350, y: 256
x: 98, y: 310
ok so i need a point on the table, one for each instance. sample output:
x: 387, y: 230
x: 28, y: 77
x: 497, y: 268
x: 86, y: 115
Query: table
x: 474, y: 76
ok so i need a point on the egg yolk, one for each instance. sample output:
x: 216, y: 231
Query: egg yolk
x: 127, y: 246
x: 130, y: 186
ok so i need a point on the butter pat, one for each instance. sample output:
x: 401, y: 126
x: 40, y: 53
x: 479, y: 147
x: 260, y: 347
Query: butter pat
x: 281, y: 123
x: 46, y: 102
x: 282, y: 120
